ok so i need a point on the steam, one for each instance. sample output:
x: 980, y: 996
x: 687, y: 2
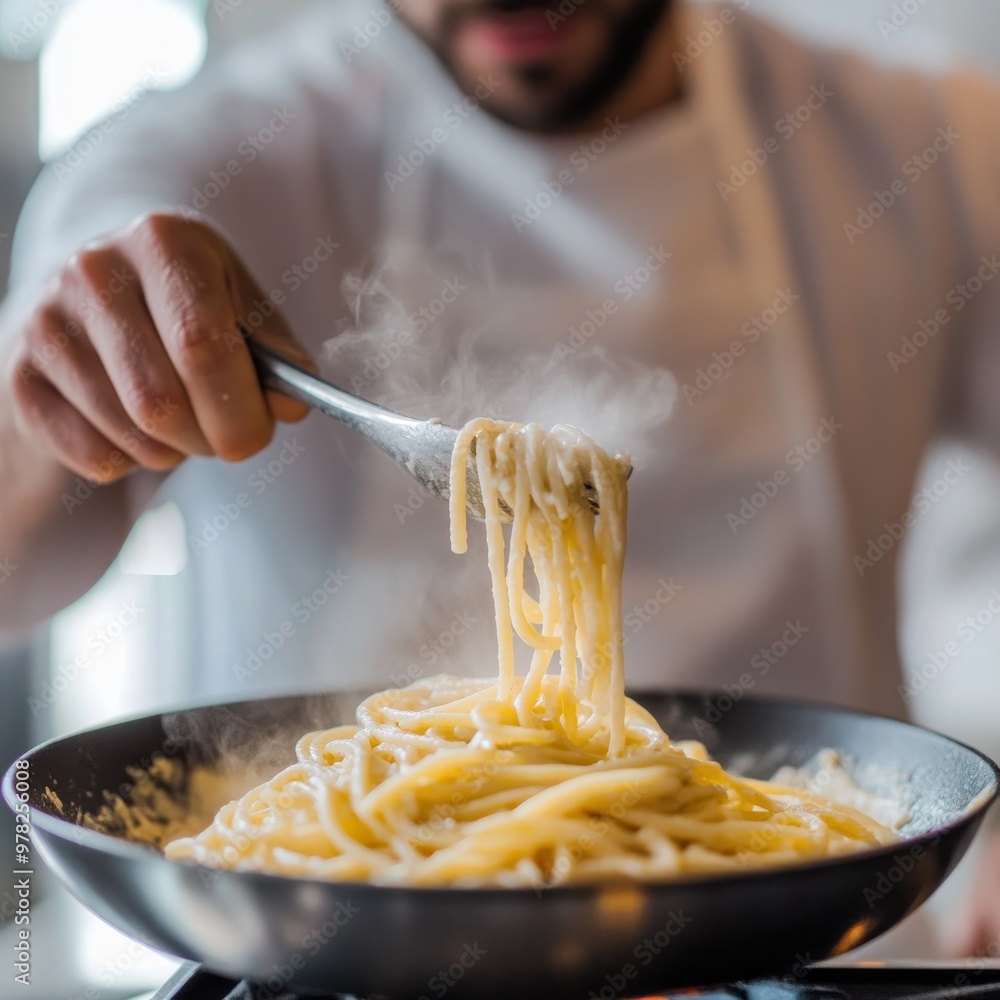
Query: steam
x: 393, y: 357
x: 217, y: 753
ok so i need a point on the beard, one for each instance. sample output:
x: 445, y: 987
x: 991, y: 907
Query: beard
x: 556, y: 107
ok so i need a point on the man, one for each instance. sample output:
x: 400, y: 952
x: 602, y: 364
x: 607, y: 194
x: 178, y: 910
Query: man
x: 607, y: 188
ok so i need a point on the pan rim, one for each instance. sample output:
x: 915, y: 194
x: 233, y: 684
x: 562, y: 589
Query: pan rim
x: 127, y: 850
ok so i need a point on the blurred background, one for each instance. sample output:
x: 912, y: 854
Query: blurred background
x: 67, y: 64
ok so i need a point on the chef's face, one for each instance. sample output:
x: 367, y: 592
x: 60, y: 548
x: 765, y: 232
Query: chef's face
x: 543, y: 65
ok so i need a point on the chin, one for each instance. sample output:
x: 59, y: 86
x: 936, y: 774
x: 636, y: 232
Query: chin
x: 531, y: 118
x: 511, y: 100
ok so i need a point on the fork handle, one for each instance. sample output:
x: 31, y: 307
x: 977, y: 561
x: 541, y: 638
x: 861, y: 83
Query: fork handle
x: 422, y: 447
x: 277, y: 372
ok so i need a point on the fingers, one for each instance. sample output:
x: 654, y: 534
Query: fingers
x: 103, y: 288
x: 78, y: 374
x: 136, y: 355
x: 187, y: 292
x: 46, y: 417
x: 201, y: 299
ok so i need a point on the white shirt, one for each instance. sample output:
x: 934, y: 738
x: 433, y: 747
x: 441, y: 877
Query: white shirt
x: 739, y: 239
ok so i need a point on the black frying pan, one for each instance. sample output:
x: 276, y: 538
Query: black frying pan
x: 612, y: 939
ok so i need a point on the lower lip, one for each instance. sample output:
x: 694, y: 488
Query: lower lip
x: 520, y: 37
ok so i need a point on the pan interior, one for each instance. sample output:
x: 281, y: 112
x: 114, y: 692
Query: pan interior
x: 89, y: 778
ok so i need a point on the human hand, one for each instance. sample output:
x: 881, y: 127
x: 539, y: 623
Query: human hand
x: 133, y: 356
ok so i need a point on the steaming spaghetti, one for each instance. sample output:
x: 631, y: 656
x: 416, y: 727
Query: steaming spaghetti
x: 524, y: 780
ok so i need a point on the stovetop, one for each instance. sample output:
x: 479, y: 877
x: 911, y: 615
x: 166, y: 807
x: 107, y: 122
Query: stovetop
x: 866, y: 982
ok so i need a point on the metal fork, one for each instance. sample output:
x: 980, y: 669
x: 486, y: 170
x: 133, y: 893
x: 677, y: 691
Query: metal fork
x: 422, y: 447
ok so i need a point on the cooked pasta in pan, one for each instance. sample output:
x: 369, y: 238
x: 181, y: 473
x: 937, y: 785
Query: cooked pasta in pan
x: 547, y: 778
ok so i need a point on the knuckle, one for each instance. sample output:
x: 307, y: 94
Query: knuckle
x: 48, y: 316
x: 42, y: 352
x: 182, y: 279
x: 100, y: 461
x: 20, y: 376
x: 88, y: 268
x: 157, y: 228
x: 151, y: 406
x: 83, y: 452
x: 36, y: 336
x: 50, y: 332
x: 200, y: 344
x: 136, y: 444
x: 161, y: 231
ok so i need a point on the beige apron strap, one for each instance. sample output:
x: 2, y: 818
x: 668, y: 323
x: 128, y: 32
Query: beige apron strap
x: 757, y: 216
